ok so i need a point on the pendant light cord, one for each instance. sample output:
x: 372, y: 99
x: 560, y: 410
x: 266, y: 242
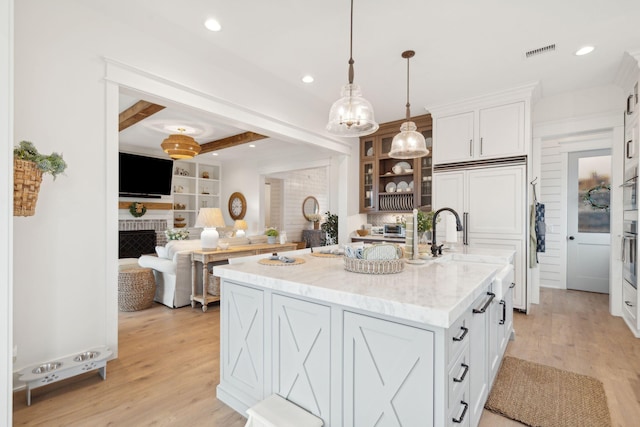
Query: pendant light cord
x: 351, y: 47
x: 408, y: 54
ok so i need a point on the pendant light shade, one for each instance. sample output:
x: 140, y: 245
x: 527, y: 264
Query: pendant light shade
x: 351, y: 115
x: 180, y: 146
x: 409, y: 143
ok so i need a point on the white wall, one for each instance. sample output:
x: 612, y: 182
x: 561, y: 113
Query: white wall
x: 297, y: 186
x: 65, y: 280
x: 6, y: 178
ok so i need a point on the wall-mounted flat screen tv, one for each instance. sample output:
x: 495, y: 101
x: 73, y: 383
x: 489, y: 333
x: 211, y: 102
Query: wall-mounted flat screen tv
x: 142, y: 176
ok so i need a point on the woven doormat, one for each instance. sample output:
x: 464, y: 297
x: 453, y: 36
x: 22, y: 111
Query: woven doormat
x: 543, y: 396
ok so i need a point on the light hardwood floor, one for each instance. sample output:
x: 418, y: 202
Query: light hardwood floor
x: 167, y: 368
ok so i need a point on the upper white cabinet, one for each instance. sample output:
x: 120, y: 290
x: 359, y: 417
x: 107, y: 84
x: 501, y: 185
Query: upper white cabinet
x: 490, y: 127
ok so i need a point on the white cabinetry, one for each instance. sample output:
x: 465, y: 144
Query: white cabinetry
x: 483, y: 133
x: 302, y: 353
x: 492, y: 202
x: 501, y: 322
x: 479, y: 340
x: 195, y: 185
x: 388, y: 372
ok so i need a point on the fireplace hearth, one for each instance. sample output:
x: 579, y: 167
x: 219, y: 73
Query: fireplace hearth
x: 134, y: 243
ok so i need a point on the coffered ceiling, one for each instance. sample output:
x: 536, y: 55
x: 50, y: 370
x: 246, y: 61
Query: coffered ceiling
x: 463, y: 48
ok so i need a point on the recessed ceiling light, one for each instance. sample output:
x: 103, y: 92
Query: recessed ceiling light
x: 212, y: 25
x: 252, y: 145
x: 307, y: 79
x: 214, y: 154
x: 584, y: 50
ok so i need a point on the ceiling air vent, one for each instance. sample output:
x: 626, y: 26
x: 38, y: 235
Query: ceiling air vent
x: 540, y: 50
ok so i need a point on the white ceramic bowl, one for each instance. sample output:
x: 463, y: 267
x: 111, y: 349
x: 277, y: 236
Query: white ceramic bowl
x: 223, y: 245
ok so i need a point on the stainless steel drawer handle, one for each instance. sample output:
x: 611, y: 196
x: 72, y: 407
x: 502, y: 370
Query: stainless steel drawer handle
x: 628, y: 303
x: 486, y: 304
x: 512, y: 285
x: 464, y: 373
x: 504, y: 312
x: 464, y: 412
x: 464, y: 334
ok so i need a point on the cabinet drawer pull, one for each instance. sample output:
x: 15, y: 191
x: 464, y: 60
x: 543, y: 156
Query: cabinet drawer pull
x: 464, y: 334
x: 628, y: 303
x: 464, y: 412
x: 481, y: 146
x: 486, y: 304
x: 512, y: 285
x: 630, y: 105
x: 628, y: 149
x: 464, y: 374
x: 504, y: 312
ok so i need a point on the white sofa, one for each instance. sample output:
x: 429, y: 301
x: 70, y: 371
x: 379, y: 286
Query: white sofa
x: 172, y: 268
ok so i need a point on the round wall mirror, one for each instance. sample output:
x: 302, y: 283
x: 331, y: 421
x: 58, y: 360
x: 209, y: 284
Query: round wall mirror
x: 310, y: 206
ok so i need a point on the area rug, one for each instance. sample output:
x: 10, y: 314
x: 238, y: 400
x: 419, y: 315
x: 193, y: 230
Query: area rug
x: 542, y: 396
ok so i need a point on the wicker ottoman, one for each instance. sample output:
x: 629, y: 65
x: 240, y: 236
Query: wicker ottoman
x: 136, y: 288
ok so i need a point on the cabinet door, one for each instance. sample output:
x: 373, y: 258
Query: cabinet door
x: 479, y: 339
x: 302, y: 354
x: 501, y: 131
x: 243, y: 339
x: 496, y: 201
x: 453, y: 141
x: 496, y: 334
x: 368, y: 193
x: 388, y: 373
x: 449, y: 190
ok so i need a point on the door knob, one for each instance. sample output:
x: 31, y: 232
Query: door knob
x: 571, y: 238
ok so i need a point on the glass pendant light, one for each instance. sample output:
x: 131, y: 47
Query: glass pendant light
x: 351, y: 115
x: 409, y: 143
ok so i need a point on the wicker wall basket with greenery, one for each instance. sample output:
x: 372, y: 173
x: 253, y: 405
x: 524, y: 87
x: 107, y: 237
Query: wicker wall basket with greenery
x: 28, y: 167
x: 26, y: 185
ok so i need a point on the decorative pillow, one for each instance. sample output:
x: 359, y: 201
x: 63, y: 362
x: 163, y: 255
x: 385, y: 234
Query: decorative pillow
x: 161, y: 251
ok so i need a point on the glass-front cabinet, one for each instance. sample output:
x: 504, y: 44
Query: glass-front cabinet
x: 394, y: 185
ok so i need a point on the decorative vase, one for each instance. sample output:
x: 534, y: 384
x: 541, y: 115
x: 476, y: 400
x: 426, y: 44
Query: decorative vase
x: 271, y: 240
x: 426, y: 238
x: 316, y: 225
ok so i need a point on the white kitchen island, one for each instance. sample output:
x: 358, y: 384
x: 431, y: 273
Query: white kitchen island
x: 416, y: 348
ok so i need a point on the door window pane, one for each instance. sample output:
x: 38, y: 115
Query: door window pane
x: 594, y: 189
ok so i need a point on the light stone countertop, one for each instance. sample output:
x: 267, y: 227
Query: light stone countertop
x: 435, y: 293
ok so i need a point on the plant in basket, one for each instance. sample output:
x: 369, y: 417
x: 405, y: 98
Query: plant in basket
x: 28, y: 167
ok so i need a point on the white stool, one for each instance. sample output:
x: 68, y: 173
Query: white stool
x: 275, y: 411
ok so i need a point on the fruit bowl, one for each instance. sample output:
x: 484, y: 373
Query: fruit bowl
x: 362, y: 232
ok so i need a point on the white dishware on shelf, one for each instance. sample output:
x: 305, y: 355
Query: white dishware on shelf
x: 390, y: 187
x: 411, y: 185
x: 397, y: 169
x: 402, y: 186
x: 408, y: 171
x: 401, y: 167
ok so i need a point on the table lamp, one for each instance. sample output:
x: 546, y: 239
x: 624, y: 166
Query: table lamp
x: 240, y: 225
x: 209, y: 219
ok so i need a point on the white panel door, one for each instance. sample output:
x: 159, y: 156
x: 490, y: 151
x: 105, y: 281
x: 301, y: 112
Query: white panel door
x: 588, y: 220
x: 388, y: 374
x: 496, y: 201
x: 501, y: 131
x: 453, y: 140
x: 244, y: 339
x: 302, y: 354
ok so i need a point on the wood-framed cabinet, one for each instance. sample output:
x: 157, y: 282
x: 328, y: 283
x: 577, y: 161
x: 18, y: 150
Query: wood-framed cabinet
x: 384, y: 188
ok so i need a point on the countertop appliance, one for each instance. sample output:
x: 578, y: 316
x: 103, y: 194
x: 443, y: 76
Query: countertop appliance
x: 393, y: 230
x: 377, y: 230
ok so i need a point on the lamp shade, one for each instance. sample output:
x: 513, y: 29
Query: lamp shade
x: 209, y: 218
x: 351, y: 115
x: 409, y: 143
x: 240, y: 225
x: 180, y: 146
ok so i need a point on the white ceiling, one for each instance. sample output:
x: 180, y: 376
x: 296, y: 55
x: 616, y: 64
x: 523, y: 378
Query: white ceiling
x: 463, y: 48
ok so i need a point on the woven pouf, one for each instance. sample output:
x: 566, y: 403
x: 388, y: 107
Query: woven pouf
x: 136, y: 288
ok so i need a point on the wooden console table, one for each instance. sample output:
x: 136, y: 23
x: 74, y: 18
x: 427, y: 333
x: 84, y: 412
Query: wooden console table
x: 206, y: 257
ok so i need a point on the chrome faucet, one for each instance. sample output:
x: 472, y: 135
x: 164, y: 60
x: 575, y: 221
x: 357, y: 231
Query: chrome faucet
x: 435, y: 249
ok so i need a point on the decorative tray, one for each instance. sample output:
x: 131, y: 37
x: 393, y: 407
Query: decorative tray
x: 375, y: 266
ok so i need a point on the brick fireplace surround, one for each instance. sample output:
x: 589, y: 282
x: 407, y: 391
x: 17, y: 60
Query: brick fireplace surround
x: 133, y: 241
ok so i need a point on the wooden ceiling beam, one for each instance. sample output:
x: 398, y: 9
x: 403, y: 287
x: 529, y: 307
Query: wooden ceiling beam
x: 138, y: 111
x: 231, y: 141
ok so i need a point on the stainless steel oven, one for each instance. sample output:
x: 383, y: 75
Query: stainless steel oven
x: 630, y: 252
x: 393, y: 230
x: 630, y: 186
x: 630, y: 194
